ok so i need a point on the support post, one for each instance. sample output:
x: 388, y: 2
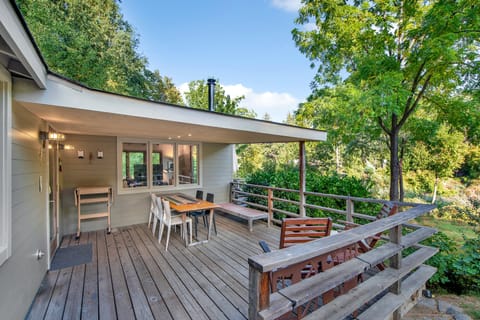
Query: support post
x: 396, y: 263
x: 270, y: 206
x: 350, y: 210
x: 259, y: 292
x: 302, y: 178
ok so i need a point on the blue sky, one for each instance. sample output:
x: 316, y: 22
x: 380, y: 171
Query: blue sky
x: 247, y: 44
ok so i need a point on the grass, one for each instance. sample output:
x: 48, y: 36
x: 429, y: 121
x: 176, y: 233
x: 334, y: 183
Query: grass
x: 469, y: 303
x: 454, y: 230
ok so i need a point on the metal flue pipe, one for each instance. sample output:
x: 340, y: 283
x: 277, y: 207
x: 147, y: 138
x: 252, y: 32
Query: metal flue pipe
x: 211, y: 94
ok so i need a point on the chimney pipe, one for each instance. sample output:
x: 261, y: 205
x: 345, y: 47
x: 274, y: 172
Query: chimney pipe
x: 211, y: 94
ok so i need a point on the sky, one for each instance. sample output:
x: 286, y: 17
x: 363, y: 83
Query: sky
x: 246, y: 44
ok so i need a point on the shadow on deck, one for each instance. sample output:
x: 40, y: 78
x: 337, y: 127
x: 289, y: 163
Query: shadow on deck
x: 131, y: 276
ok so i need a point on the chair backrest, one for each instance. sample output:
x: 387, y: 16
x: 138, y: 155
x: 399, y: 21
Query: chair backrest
x: 210, y: 197
x: 154, y: 205
x: 167, y: 214
x: 300, y: 230
x: 199, y: 195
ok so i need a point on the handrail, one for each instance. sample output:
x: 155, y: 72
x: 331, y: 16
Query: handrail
x: 262, y: 266
x: 237, y: 192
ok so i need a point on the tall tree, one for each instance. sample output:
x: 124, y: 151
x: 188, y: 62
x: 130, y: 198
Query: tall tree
x: 89, y: 41
x: 402, y: 55
x: 197, y: 97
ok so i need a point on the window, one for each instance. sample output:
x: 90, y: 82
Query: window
x: 162, y: 164
x: 187, y: 164
x: 5, y: 165
x: 150, y: 165
x: 134, y: 165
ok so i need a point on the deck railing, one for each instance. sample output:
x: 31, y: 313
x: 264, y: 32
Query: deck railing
x: 267, y: 199
x: 345, y: 280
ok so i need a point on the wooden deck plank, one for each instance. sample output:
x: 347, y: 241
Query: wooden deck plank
x: 123, y: 303
x: 73, y: 306
x: 172, y: 301
x: 137, y: 296
x: 106, y: 300
x: 187, y: 297
x: 90, y: 291
x: 209, y: 282
x: 132, y: 272
x: 157, y: 305
x: 43, y: 296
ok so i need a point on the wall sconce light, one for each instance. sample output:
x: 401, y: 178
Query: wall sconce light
x: 55, y: 136
x: 80, y: 154
x: 99, y: 154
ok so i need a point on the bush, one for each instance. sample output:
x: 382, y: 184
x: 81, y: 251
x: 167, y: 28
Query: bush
x: 288, y: 178
x: 458, y: 271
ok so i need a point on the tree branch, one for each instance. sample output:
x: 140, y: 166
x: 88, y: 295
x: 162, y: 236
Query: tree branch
x: 409, y: 111
x: 382, y: 125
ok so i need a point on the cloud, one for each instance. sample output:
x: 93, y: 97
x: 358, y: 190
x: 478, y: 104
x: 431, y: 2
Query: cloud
x: 276, y: 104
x: 287, y: 5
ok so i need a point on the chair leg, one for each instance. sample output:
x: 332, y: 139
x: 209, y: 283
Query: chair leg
x: 168, y: 237
x: 160, y: 232
x: 196, y: 227
x: 149, y: 219
x: 154, y: 225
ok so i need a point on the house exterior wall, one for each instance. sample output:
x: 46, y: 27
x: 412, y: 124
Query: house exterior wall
x: 22, y: 273
x: 216, y: 165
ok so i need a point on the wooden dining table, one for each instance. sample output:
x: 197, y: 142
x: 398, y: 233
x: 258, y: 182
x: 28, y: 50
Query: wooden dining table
x: 184, y: 204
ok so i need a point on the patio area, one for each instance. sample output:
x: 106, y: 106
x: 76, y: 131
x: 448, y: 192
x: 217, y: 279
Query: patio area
x: 131, y: 276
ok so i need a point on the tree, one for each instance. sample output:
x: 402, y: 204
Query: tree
x: 90, y: 42
x: 197, y: 97
x: 402, y: 55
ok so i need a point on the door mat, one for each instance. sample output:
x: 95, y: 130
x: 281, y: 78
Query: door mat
x: 72, y: 256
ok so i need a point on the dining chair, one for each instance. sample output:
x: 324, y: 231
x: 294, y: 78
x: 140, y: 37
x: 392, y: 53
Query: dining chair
x: 155, y: 213
x: 204, y: 215
x: 199, y: 195
x: 168, y: 220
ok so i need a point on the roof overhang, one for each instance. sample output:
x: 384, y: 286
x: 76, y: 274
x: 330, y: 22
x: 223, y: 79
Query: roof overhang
x: 75, y: 109
x: 18, y: 52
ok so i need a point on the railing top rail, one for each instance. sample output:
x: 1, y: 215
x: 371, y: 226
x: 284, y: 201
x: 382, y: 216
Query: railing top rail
x: 334, y: 196
x: 295, y: 254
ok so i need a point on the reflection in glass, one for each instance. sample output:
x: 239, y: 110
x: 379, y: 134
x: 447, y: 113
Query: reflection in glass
x: 162, y: 164
x: 188, y: 164
x: 134, y: 165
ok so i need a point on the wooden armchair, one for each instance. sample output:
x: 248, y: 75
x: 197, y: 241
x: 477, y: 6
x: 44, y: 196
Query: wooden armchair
x: 300, y: 230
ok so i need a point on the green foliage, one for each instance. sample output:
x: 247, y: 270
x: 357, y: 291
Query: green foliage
x: 458, y: 271
x: 287, y: 177
x: 400, y: 57
x: 90, y: 42
x: 197, y: 97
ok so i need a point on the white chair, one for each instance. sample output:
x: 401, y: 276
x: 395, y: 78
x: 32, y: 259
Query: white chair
x: 168, y: 220
x: 155, y: 213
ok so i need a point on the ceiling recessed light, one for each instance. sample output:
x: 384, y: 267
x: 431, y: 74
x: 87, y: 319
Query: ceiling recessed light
x: 189, y: 134
x: 169, y: 138
x: 179, y: 137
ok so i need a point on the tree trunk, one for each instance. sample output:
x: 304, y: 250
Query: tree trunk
x: 337, y: 158
x: 394, y: 164
x: 435, y: 188
x: 402, y: 188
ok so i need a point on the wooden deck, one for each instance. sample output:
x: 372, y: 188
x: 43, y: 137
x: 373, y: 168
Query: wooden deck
x: 132, y: 277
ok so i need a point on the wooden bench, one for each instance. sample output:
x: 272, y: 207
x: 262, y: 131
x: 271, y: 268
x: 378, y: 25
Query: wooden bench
x: 243, y: 212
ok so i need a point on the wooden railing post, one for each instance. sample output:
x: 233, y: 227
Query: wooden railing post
x: 270, y: 206
x: 350, y: 210
x: 259, y: 292
x: 396, y: 263
x: 302, y: 179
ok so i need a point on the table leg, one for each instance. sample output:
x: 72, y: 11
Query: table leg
x: 210, y: 216
x: 184, y: 228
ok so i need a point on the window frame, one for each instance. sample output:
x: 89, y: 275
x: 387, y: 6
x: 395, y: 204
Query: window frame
x: 149, y: 162
x: 5, y: 165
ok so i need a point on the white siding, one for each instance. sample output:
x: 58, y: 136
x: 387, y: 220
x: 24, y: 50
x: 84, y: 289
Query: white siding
x: 22, y: 273
x: 217, y: 169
